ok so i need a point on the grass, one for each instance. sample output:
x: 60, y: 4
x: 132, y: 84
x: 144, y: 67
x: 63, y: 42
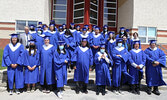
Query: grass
x: 1, y: 54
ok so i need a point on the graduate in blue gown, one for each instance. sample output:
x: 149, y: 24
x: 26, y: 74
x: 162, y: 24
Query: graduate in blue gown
x: 31, y: 63
x: 103, y: 78
x: 47, y: 76
x: 120, y: 75
x: 82, y: 58
x: 82, y: 35
x: 12, y: 59
x: 156, y: 59
x: 61, y: 59
x: 105, y: 33
x: 39, y: 38
x: 111, y: 42
x: 122, y: 32
x: 95, y: 41
x: 87, y: 30
x: 60, y: 33
x: 73, y: 30
x: 137, y: 62
x: 32, y: 30
x: 134, y: 38
x: 53, y: 35
x: 70, y: 46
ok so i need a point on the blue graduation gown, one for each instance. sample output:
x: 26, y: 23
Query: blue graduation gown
x: 120, y: 67
x: 60, y: 68
x: 96, y: 40
x: 110, y: 46
x: 80, y: 36
x: 39, y: 41
x: 53, y: 38
x: 69, y: 40
x: 154, y: 74
x: 60, y: 35
x: 105, y: 35
x: 47, y: 65
x: 31, y: 77
x: 73, y: 31
x: 139, y: 58
x: 13, y: 55
x: 102, y: 69
x: 83, y: 59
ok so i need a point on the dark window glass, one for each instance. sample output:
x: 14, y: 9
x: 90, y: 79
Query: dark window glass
x: 78, y: 1
x: 20, y: 25
x: 57, y: 7
x: 94, y: 1
x: 79, y: 20
x: 78, y: 13
x: 58, y: 14
x: 109, y: 17
x: 106, y: 10
x: 93, y: 21
x: 79, y: 6
x: 93, y: 7
x: 60, y: 2
x: 93, y: 14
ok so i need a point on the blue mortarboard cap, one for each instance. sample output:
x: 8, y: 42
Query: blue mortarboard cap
x: 14, y: 35
x: 32, y: 26
x: 153, y: 41
x: 97, y: 28
x: 60, y: 27
x: 94, y: 26
x: 105, y: 26
x: 39, y: 23
x: 52, y: 22
x: 122, y: 28
x: 110, y: 33
x: 71, y: 23
x: 83, y: 29
x: 136, y: 42
x: 77, y: 26
x: 63, y: 24
x: 84, y: 39
x: 127, y: 30
x: 32, y: 41
x: 61, y: 42
x: 46, y: 37
x: 86, y: 26
x: 119, y: 40
x: 102, y: 45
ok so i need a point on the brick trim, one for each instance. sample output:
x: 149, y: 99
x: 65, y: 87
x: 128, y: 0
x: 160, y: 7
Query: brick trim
x: 7, y: 23
x: 7, y: 28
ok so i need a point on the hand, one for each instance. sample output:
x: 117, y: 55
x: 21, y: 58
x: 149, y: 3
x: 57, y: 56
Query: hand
x: 66, y: 61
x: 90, y: 69
x: 154, y: 65
x: 74, y: 67
x: 67, y: 45
x: 12, y: 65
x: 118, y: 55
x: 157, y: 63
x: 29, y: 68
x: 137, y: 67
x: 33, y: 67
x: 102, y: 56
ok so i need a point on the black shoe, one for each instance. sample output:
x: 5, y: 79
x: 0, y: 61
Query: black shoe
x: 77, y: 91
x: 103, y: 90
x: 134, y: 92
x: 97, y: 90
x: 138, y: 92
x: 156, y: 92
x: 86, y: 92
x: 149, y: 91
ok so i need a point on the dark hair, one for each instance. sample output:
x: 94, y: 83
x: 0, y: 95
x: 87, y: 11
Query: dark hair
x: 87, y: 45
x: 136, y: 34
x: 68, y: 32
x: 125, y: 34
x: 16, y: 42
x: 71, y: 27
x: 31, y: 49
x: 58, y: 50
x: 113, y: 37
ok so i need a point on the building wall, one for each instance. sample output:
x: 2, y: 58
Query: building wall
x: 12, y: 10
x: 125, y: 13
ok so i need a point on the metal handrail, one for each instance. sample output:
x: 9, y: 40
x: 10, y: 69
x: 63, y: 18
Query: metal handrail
x: 161, y: 47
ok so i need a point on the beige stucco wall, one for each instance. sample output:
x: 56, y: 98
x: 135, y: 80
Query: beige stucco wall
x: 12, y: 10
x: 125, y: 13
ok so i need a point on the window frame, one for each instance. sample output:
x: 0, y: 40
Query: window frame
x: 147, y: 37
x: 27, y: 21
x: 94, y: 11
x: 110, y: 13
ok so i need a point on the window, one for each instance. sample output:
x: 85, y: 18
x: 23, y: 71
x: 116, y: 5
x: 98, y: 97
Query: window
x: 110, y: 13
x: 78, y: 11
x: 20, y: 24
x: 59, y: 11
x: 147, y: 33
x: 93, y: 11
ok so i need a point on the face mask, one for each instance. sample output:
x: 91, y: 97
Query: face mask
x: 122, y: 32
x: 102, y: 50
x: 39, y: 32
x: 119, y: 44
x: 105, y: 30
x: 61, y: 47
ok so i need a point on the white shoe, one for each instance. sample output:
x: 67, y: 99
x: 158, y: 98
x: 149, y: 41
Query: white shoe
x: 11, y: 92
x: 121, y: 92
x: 59, y: 95
x: 61, y: 92
x: 115, y: 92
x: 17, y: 91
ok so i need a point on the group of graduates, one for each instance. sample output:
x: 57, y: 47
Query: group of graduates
x: 51, y: 51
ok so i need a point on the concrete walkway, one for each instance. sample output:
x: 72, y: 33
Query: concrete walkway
x: 71, y: 95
